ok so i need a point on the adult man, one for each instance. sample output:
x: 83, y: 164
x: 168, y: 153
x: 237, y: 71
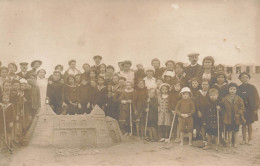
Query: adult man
x: 157, y: 70
x: 23, y: 73
x: 193, y: 69
x: 97, y: 59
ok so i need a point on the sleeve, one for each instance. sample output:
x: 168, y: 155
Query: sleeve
x: 256, y: 97
x: 192, y: 107
x: 177, y: 108
x: 66, y: 95
x: 241, y: 106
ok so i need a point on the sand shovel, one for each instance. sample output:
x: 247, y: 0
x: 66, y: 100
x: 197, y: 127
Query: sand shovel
x: 218, y: 125
x: 5, y: 140
x: 170, y: 135
x: 131, y: 121
x: 146, y: 121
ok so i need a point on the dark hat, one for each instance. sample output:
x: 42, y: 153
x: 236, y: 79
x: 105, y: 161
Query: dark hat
x: 23, y: 64
x: 169, y: 61
x: 127, y: 62
x: 97, y: 56
x: 209, y: 58
x: 33, y: 62
x: 71, y: 61
x: 58, y: 66
x: 193, y: 54
x: 244, y: 73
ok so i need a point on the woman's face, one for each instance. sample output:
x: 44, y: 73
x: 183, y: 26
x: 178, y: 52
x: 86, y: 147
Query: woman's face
x: 178, y: 70
x: 7, y: 86
x: 159, y: 82
x: 92, y: 74
x: 115, y: 79
x: 207, y: 64
x: 170, y: 66
x: 244, y: 79
x: 102, y: 68
x: 195, y: 84
x: 4, y: 73
x: 11, y: 68
x: 221, y: 79
x: 37, y: 65
x: 86, y: 67
x: 16, y: 86
x: 71, y: 81
x: 141, y: 84
x: 41, y: 74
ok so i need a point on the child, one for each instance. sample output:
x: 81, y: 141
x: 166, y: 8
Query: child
x: 250, y: 96
x: 84, y: 89
x: 179, y: 73
x: 71, y: 95
x: 140, y: 105
x: 117, y: 93
x: 3, y: 75
x: 103, y: 70
x: 201, y: 101
x: 92, y: 74
x: 139, y: 74
x: 7, y: 118
x: 168, y: 76
x: 158, y: 82
x: 185, y: 109
x: 55, y: 93
x: 102, y: 92
x: 126, y: 105
x: 152, y: 111
x: 211, y: 119
x: 92, y: 95
x: 234, y: 109
x: 149, y: 79
x: 78, y: 79
x: 194, y: 86
x: 221, y: 85
x: 164, y: 112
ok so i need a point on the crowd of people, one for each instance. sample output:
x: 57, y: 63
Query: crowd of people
x: 157, y: 103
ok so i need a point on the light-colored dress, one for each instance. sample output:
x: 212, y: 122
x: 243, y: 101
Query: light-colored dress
x: 164, y: 113
x: 42, y: 85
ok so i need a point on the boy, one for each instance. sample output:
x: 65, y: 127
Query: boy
x: 185, y: 108
x: 149, y: 79
x: 139, y: 74
x: 84, y: 96
x: 7, y: 118
x: 234, y: 109
x: 211, y: 119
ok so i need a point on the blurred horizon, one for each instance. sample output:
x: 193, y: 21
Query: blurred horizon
x: 56, y: 31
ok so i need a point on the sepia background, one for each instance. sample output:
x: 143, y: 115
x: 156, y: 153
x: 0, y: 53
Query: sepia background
x: 56, y: 31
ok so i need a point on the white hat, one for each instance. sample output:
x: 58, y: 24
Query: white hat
x: 185, y: 89
x: 149, y: 69
x: 169, y: 73
x: 23, y: 81
x: 164, y: 84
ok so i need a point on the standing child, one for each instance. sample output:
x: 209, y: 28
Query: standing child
x: 117, y: 93
x: 84, y: 89
x: 92, y: 95
x: 7, y: 118
x: 140, y: 105
x: 164, y: 112
x: 139, y: 74
x: 234, y: 109
x: 221, y: 85
x: 126, y: 99
x: 78, y: 79
x: 71, y: 95
x: 185, y: 109
x: 158, y: 82
x: 102, y: 92
x: 212, y: 118
x: 194, y: 86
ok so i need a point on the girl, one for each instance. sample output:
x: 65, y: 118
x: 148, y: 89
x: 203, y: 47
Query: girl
x: 92, y: 95
x: 126, y: 99
x: 158, y: 82
x: 71, y: 94
x: 42, y: 83
x: 103, y: 70
x: 92, y: 75
x: 250, y: 96
x: 152, y: 110
x: 149, y: 79
x: 207, y: 71
x: 140, y: 105
x: 179, y: 74
x: 164, y: 112
x: 221, y: 85
x: 185, y: 108
x: 234, y: 109
x: 102, y: 92
x: 78, y: 80
x: 117, y: 93
x: 194, y: 86
x: 168, y: 76
x: 84, y: 89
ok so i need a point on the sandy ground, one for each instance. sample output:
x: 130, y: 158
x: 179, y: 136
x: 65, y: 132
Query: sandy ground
x: 139, y: 152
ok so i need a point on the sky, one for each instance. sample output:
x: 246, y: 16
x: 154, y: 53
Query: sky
x: 56, y: 31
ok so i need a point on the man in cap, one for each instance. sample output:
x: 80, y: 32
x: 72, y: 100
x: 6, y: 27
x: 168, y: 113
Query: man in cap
x: 193, y: 69
x: 127, y: 72
x: 23, y: 73
x: 35, y: 65
x: 158, y: 71
x: 97, y: 59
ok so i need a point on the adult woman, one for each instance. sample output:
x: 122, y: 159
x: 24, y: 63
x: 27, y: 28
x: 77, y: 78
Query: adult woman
x: 250, y: 96
x: 207, y: 71
x: 170, y: 64
x: 42, y: 83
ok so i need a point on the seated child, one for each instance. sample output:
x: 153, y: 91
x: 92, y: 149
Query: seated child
x: 185, y: 109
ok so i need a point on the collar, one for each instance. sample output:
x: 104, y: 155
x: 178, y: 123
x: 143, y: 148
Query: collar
x: 129, y: 90
x: 146, y: 78
x: 193, y: 65
x: 5, y: 106
x: 236, y: 97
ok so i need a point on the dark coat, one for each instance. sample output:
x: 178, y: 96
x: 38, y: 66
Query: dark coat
x: 140, y: 102
x: 213, y: 76
x: 101, y: 97
x: 24, y: 76
x: 222, y: 91
x: 192, y: 71
x: 9, y: 118
x: 210, y: 114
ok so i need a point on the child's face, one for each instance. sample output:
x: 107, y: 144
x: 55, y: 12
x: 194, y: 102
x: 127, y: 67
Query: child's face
x: 56, y: 77
x: 168, y: 78
x: 6, y: 99
x: 213, y: 96
x: 59, y: 69
x: 110, y: 71
x: 16, y: 86
x: 151, y: 93
x: 102, y: 69
x: 11, y: 68
x: 232, y: 90
x: 84, y: 82
x: 185, y: 95
x: 177, y: 87
x: 71, y: 81
x: 207, y: 64
x: 77, y: 78
x: 115, y: 79
x: 100, y: 81
x: 23, y: 86
x: 159, y: 83
x: 121, y: 83
x: 141, y: 84
x: 178, y: 69
x: 220, y: 79
x: 149, y: 73
x: 73, y: 65
x: 4, y: 73
x: 93, y: 84
x: 37, y: 65
x: 7, y: 86
x: 139, y: 67
x: 244, y: 79
x: 128, y: 85
x: 86, y: 67
x: 41, y: 74
x: 170, y: 66
x: 92, y: 74
x: 205, y: 85
x: 165, y: 90
x: 195, y: 84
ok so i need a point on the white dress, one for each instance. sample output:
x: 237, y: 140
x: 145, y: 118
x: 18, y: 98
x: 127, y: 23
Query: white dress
x: 42, y: 85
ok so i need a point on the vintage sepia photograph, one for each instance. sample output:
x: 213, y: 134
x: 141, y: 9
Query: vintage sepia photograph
x: 129, y: 82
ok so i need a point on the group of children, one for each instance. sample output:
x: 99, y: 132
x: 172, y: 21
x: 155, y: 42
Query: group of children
x: 156, y: 104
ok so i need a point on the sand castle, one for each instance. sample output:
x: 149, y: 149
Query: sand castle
x: 85, y: 130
